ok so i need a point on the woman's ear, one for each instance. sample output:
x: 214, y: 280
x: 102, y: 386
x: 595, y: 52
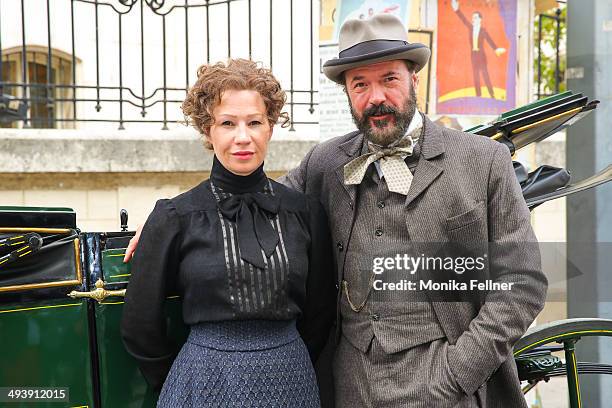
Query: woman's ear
x: 207, y: 140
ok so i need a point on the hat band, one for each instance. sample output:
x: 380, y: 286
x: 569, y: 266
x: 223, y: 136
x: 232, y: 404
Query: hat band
x: 369, y: 47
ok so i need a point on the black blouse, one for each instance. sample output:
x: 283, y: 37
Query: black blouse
x: 190, y: 245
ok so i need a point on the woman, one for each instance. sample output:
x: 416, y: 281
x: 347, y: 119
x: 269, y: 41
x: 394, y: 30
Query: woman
x: 248, y: 256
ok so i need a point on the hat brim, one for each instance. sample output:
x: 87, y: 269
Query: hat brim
x: 415, y: 52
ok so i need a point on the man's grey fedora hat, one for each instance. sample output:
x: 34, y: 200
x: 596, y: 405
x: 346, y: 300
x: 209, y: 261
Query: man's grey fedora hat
x: 377, y: 39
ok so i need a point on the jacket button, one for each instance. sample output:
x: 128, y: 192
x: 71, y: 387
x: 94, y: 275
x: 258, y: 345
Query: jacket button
x: 374, y: 317
x: 340, y: 246
x: 378, y: 232
x: 381, y: 204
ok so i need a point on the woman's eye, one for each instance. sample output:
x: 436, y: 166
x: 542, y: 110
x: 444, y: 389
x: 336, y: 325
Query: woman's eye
x: 226, y: 123
x: 255, y: 123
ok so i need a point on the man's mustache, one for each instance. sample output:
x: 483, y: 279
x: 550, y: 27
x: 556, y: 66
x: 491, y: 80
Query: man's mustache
x: 379, y: 110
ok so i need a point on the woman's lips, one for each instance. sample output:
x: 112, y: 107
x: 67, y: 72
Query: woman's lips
x: 243, y: 155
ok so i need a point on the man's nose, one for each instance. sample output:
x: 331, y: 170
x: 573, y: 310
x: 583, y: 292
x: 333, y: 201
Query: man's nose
x: 377, y: 95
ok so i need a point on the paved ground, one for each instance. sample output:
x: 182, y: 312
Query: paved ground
x: 552, y: 394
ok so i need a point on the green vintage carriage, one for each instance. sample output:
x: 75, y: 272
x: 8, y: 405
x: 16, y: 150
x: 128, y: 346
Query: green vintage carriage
x: 60, y: 308
x: 61, y: 291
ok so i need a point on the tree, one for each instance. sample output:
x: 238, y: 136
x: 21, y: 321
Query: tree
x: 548, y: 46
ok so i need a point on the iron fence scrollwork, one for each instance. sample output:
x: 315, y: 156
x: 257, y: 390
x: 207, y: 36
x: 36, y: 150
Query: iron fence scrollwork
x: 121, y: 61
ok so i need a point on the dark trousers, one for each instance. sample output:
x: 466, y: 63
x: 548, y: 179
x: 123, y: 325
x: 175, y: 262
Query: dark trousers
x: 479, y: 66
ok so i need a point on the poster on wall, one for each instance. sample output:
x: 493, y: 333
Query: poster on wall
x: 329, y: 12
x: 362, y: 9
x: 476, y: 57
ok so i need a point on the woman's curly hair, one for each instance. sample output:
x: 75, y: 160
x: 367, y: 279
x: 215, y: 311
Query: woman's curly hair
x: 236, y: 74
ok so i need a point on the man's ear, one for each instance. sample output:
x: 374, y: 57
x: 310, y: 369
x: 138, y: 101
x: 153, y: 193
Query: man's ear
x: 414, y: 77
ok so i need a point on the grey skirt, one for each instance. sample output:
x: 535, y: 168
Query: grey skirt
x: 251, y: 363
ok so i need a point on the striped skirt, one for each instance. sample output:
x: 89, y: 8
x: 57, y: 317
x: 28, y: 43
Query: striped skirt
x: 252, y: 363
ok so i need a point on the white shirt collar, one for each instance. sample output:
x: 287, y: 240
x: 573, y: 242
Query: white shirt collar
x: 416, y: 121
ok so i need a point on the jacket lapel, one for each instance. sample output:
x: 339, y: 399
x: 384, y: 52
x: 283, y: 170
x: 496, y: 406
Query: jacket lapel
x: 427, y: 169
x: 349, y: 150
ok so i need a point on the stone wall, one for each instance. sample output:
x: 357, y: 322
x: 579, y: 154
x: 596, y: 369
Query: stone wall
x: 99, y: 174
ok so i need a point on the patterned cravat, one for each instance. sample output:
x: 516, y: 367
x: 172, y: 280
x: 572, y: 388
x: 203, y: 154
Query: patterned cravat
x: 391, y: 161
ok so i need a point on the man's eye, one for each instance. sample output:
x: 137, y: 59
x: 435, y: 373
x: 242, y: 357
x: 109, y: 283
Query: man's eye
x: 359, y: 85
x: 391, y: 78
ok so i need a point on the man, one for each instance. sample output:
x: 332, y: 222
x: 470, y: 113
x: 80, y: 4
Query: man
x: 478, y: 35
x: 398, y: 180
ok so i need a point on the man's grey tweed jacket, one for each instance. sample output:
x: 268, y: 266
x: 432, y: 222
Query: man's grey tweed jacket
x: 464, y: 190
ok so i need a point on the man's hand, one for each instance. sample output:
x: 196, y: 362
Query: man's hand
x: 500, y: 51
x: 131, y: 248
x: 455, y: 5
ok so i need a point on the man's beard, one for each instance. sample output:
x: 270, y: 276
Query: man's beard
x: 380, y: 134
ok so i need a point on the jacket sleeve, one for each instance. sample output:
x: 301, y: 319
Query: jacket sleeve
x: 154, y: 267
x: 486, y: 37
x: 464, y: 20
x: 319, y: 311
x: 514, y: 257
x: 297, y: 177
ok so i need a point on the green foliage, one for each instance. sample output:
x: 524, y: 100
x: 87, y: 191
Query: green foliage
x: 548, y: 44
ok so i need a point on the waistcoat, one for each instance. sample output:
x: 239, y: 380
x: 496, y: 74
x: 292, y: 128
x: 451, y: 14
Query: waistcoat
x: 398, y: 322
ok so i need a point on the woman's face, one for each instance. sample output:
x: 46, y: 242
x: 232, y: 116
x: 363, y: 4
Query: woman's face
x: 240, y: 132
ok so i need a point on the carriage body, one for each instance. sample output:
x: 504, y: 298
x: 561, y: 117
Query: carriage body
x: 60, y: 312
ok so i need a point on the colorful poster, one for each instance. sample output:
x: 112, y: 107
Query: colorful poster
x: 476, y: 56
x: 361, y: 9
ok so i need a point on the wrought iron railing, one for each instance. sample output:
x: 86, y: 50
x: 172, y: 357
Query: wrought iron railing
x: 130, y: 61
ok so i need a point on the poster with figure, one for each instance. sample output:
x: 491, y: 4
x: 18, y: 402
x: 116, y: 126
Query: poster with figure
x: 476, y: 56
x: 362, y: 9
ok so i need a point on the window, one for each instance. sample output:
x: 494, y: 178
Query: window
x: 48, y: 94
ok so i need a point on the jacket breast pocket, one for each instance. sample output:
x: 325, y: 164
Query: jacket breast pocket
x: 466, y: 218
